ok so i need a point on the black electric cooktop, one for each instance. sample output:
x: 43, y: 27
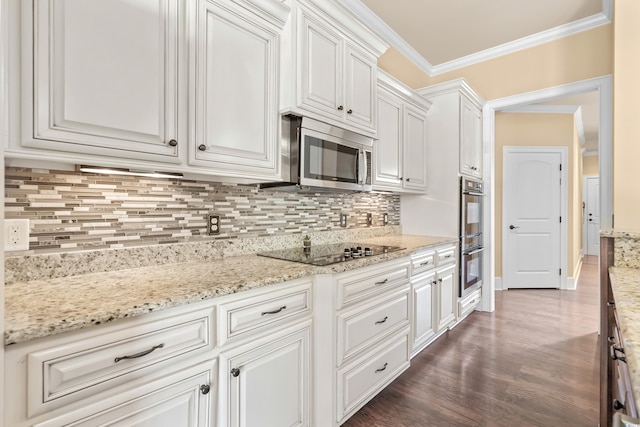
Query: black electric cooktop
x: 330, y: 254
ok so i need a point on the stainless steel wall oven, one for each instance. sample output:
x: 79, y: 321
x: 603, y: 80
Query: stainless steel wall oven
x: 471, y: 238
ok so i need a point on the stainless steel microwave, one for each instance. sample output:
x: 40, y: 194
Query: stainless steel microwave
x: 318, y: 156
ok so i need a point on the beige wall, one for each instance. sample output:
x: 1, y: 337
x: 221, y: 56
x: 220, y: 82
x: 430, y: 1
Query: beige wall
x: 517, y: 129
x: 578, y: 57
x: 590, y: 165
x: 626, y: 123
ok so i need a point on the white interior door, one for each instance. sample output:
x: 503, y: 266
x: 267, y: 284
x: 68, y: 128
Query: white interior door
x: 532, y: 227
x: 592, y: 211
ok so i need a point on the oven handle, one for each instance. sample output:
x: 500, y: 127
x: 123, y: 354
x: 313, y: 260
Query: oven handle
x: 473, y: 193
x: 474, y: 251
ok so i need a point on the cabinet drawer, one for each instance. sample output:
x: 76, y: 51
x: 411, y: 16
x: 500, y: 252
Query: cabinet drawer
x: 468, y: 304
x: 446, y: 255
x: 68, y: 372
x: 362, y: 326
x: 356, y: 286
x: 244, y: 315
x: 364, y: 378
x: 423, y: 262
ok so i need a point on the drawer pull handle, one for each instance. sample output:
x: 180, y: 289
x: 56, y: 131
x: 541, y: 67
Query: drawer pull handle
x: 448, y: 256
x: 610, y: 303
x: 611, y: 340
x: 382, y: 369
x: 425, y: 263
x: 284, y: 307
x: 142, y: 353
x: 617, y: 405
x: 235, y: 372
x: 205, y: 389
x: 382, y: 282
x: 382, y: 321
x: 614, y: 355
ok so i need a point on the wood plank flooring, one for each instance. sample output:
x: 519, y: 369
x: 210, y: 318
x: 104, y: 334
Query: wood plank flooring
x: 532, y: 362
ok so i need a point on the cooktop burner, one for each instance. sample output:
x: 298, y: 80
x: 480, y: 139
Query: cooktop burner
x: 330, y: 254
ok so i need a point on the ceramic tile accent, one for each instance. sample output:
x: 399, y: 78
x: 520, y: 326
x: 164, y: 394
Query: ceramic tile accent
x: 76, y: 211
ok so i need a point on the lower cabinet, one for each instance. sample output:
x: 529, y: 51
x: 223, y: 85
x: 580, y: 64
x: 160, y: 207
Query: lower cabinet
x: 184, y: 399
x: 268, y: 381
x: 423, y: 289
x: 447, y: 296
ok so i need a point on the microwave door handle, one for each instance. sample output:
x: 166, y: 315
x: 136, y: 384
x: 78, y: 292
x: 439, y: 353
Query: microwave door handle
x: 361, y: 161
x: 365, y: 167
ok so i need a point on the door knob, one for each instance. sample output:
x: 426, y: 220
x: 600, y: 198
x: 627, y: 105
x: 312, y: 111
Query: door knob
x: 511, y: 227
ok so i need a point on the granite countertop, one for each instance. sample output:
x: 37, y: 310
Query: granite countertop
x: 626, y: 293
x: 39, y: 308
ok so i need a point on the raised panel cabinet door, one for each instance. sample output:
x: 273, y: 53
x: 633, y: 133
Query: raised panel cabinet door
x: 415, y: 149
x: 388, y: 147
x: 470, y: 138
x: 105, y: 77
x: 185, y: 399
x: 360, y: 88
x: 268, y: 386
x: 447, y: 296
x: 321, y: 56
x: 236, y: 92
x: 423, y: 288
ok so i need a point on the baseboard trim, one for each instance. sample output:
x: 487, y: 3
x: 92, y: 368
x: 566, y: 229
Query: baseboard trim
x: 572, y: 282
x: 498, y: 283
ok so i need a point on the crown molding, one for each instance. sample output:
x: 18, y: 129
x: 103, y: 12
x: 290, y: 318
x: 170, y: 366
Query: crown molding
x: 378, y: 26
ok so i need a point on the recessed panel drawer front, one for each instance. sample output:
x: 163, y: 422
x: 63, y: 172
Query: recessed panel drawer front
x: 249, y: 314
x: 361, y: 327
x: 468, y: 304
x: 75, y: 370
x: 356, y: 287
x: 360, y: 380
x: 446, y: 255
x: 423, y: 262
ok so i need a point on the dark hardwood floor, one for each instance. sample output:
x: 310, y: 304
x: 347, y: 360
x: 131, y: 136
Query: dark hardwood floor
x: 532, y: 362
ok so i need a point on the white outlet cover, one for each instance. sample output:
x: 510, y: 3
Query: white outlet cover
x: 16, y: 235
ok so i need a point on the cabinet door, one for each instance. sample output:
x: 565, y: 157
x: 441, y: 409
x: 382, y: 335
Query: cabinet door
x: 423, y: 288
x: 105, y: 77
x: 183, y: 399
x: 320, y: 50
x: 470, y: 138
x: 236, y: 92
x: 415, y: 149
x: 388, y: 148
x: 447, y: 296
x: 360, y: 88
x: 268, y: 385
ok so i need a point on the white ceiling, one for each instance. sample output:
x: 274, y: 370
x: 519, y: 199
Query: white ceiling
x: 443, y: 35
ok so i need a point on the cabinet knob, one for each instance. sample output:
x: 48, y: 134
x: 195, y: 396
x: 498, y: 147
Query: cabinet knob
x: 205, y: 388
x: 349, y: 111
x: 440, y: 280
x: 340, y: 108
x: 408, y: 179
x: 617, y: 405
x: 434, y: 283
x: 202, y: 147
x: 173, y: 143
x: 235, y: 372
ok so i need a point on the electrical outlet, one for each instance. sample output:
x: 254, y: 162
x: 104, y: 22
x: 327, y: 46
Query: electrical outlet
x: 16, y: 234
x: 213, y: 224
x: 369, y: 218
x: 343, y: 220
x: 385, y: 218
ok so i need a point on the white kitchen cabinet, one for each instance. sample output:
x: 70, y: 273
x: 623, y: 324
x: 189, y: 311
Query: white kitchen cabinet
x: 330, y: 67
x: 268, y: 380
x: 235, y: 95
x: 104, y: 78
x: 400, y: 152
x: 423, y: 293
x: 447, y: 296
x: 184, y: 399
x: 470, y: 138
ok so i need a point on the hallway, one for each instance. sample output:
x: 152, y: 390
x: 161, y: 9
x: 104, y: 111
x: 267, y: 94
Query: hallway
x: 532, y: 362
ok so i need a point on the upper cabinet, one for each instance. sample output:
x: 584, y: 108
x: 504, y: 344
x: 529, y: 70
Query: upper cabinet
x: 329, y: 67
x: 455, y: 127
x: 236, y: 99
x: 103, y: 77
x: 400, y: 151
x: 167, y: 85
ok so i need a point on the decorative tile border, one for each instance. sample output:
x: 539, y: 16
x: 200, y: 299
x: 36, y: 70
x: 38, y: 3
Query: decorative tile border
x: 77, y: 211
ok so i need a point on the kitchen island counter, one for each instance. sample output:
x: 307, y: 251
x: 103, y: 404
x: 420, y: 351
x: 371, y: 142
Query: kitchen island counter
x: 39, y: 308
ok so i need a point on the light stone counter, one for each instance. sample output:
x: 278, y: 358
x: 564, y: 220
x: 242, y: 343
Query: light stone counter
x: 39, y: 308
x: 625, y: 284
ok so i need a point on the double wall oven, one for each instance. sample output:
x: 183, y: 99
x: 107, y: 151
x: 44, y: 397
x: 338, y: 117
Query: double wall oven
x: 471, y: 238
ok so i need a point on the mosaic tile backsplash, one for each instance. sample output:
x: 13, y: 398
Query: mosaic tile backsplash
x: 73, y: 211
